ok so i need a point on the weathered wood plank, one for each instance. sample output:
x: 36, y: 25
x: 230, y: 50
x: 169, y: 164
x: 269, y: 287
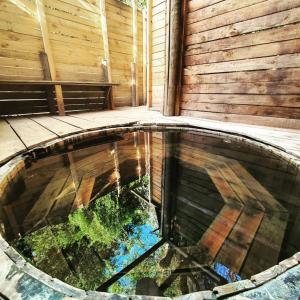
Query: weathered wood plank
x: 30, y: 132
x: 271, y: 88
x: 190, y: 101
x: 279, y: 75
x: 271, y: 111
x: 10, y: 144
x: 245, y: 13
x: 280, y: 61
x: 257, y: 24
x: 56, y: 126
x: 218, y: 9
x: 244, y: 118
x: 277, y: 48
x: 283, y: 33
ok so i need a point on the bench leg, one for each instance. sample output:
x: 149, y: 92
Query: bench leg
x: 109, y: 98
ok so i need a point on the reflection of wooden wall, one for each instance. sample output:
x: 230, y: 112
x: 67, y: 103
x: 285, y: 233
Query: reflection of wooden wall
x: 242, y: 62
x: 76, y: 40
x: 52, y: 187
x: 156, y: 165
x: 197, y: 201
x: 272, y: 173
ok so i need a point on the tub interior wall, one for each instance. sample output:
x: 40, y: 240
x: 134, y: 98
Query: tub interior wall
x: 211, y: 176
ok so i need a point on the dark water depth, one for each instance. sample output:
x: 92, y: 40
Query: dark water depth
x: 161, y: 213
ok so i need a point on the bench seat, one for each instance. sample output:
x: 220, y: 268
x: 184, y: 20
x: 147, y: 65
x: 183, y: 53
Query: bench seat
x: 39, y: 97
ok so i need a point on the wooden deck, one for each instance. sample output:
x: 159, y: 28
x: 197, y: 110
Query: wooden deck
x: 19, y: 134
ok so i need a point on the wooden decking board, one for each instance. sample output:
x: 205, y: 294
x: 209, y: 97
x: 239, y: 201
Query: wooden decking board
x: 30, y: 132
x: 286, y: 139
x: 56, y: 126
x: 10, y: 144
x: 81, y: 123
x: 106, y: 121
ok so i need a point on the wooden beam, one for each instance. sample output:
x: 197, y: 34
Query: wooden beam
x: 134, y: 77
x: 47, y: 76
x: 48, y: 51
x: 173, y: 56
x: 106, y: 62
x: 105, y: 39
x: 149, y: 54
x: 144, y: 56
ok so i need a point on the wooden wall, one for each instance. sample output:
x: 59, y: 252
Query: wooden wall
x: 21, y: 41
x: 119, y: 26
x: 159, y: 25
x: 242, y: 61
x: 76, y: 40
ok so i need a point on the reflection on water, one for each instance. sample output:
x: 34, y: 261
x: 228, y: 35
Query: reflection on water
x: 162, y: 213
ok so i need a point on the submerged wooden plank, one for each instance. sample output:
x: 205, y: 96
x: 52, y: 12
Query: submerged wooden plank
x: 10, y: 144
x: 235, y: 249
x: 215, y: 236
x: 84, y: 193
x: 30, y: 132
x: 46, y: 200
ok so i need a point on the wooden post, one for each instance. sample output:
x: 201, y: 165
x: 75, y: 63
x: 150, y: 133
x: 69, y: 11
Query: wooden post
x: 105, y: 39
x: 149, y: 54
x: 106, y: 62
x: 48, y: 50
x: 47, y: 76
x: 144, y: 56
x: 134, y: 81
x: 173, y: 56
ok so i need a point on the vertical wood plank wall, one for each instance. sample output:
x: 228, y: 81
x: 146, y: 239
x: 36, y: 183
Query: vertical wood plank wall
x: 159, y: 12
x: 76, y: 40
x: 242, y: 61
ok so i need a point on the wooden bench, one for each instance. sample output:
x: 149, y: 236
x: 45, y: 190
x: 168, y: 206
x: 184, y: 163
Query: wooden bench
x: 39, y: 97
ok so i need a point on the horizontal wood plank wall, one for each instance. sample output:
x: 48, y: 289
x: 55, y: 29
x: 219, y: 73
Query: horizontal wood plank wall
x: 76, y: 40
x: 120, y: 36
x: 159, y: 10
x: 242, y: 62
x: 20, y: 42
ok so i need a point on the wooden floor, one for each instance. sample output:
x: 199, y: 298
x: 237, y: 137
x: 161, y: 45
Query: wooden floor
x: 19, y: 134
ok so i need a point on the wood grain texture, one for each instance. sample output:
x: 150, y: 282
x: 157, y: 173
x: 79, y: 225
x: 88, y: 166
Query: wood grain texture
x: 77, y: 36
x: 10, y: 144
x: 30, y: 132
x: 241, y: 62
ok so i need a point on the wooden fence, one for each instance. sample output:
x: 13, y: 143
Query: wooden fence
x: 158, y: 49
x: 86, y: 41
x: 242, y: 61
